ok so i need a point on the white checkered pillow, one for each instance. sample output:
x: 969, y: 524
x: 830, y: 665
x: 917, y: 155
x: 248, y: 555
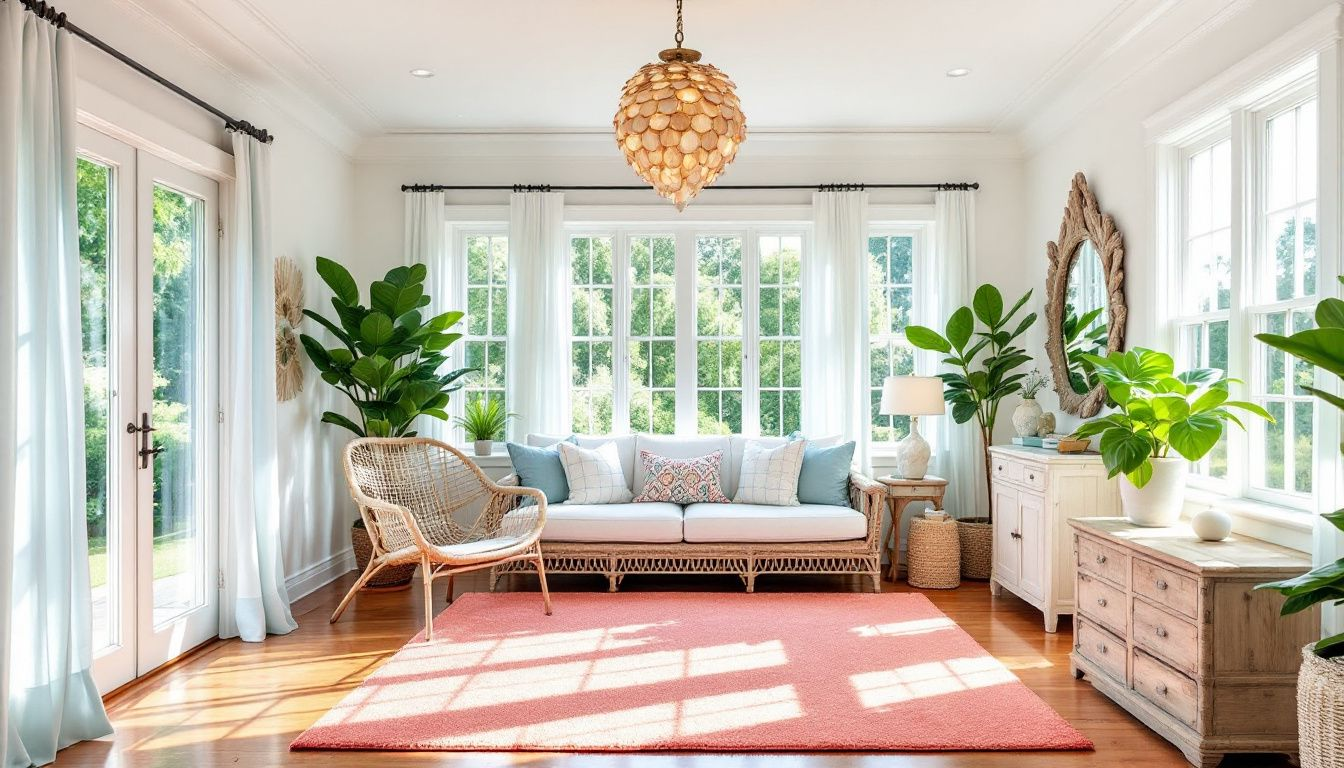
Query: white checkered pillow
x: 595, y: 475
x: 770, y: 475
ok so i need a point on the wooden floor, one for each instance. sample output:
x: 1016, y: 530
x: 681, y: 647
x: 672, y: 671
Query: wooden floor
x: 240, y: 704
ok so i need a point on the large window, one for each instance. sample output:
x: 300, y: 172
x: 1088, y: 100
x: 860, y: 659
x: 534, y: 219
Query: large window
x: 487, y: 314
x: 594, y: 310
x: 780, y: 332
x: 891, y: 281
x: 718, y: 341
x: 652, y: 353
x: 1246, y: 248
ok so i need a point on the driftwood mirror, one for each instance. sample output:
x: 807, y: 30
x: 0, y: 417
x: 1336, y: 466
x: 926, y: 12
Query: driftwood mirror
x: 1084, y: 299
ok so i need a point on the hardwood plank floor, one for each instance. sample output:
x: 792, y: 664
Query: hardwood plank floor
x: 240, y: 704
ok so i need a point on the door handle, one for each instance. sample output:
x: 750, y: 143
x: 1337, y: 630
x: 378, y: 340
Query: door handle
x: 145, y: 450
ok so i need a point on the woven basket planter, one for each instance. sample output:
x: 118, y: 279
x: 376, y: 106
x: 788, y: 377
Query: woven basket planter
x: 977, y: 547
x: 933, y: 554
x: 1320, y: 711
x: 391, y: 579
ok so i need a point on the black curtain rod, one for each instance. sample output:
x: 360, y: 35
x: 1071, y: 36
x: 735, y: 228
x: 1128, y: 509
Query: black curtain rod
x: 48, y: 12
x: 636, y: 187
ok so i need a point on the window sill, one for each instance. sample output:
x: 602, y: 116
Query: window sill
x: 1284, y: 526
x: 498, y: 458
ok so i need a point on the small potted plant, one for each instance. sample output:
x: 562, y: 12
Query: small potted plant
x: 1157, y: 412
x: 1027, y: 415
x: 483, y: 421
x: 1320, y: 682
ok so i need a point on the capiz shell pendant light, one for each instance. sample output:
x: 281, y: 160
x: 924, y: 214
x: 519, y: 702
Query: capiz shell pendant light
x: 679, y: 123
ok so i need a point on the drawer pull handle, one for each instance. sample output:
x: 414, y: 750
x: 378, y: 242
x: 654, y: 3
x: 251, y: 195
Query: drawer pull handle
x: 1101, y: 647
x: 1161, y: 584
x: 1161, y: 689
x: 1101, y: 559
x: 1000, y: 467
x: 1160, y: 632
x: 1031, y: 477
x: 1101, y: 601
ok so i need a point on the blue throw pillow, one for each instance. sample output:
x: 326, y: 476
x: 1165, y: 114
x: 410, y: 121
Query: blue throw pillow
x: 824, y: 478
x: 540, y: 468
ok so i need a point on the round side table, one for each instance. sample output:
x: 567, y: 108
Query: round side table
x: 900, y: 492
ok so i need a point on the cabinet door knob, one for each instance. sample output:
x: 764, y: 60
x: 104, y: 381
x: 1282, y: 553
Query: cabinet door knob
x: 1161, y: 689
x: 1015, y: 534
x: 1161, y: 584
x: 1101, y: 559
x: 1160, y: 632
x: 1101, y: 601
x: 1101, y: 647
x: 1031, y: 476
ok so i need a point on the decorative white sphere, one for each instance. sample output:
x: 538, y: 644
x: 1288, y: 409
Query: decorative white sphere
x: 1212, y: 524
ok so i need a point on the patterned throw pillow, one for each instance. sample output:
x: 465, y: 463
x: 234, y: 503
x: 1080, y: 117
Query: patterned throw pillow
x: 595, y: 475
x: 770, y: 475
x: 682, y: 481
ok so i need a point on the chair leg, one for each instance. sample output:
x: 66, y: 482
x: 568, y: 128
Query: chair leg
x: 428, y: 576
x: 451, y: 576
x: 370, y: 571
x: 541, y: 576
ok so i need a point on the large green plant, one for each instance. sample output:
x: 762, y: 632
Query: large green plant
x: 389, y: 356
x: 1158, y: 410
x: 976, y: 390
x: 1323, y: 347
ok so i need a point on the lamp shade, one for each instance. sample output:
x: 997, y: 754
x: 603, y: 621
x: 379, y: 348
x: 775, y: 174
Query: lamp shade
x: 912, y: 396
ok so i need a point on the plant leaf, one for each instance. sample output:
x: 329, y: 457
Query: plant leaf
x: 1195, y: 436
x: 1323, y: 347
x: 331, y: 417
x: 1330, y: 313
x: 988, y: 305
x: 338, y: 278
x: 960, y: 326
x: 927, y: 338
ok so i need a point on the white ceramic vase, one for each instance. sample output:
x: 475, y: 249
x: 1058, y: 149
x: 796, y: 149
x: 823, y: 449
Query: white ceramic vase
x: 1158, y: 503
x: 1027, y: 417
x: 1211, y: 524
x: 484, y: 447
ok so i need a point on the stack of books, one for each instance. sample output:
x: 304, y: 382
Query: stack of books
x: 1037, y: 442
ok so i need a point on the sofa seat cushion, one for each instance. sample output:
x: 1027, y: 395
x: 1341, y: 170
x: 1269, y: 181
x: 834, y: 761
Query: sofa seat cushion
x: 652, y: 522
x: 758, y: 523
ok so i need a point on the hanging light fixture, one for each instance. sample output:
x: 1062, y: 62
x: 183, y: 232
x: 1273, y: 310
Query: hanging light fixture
x: 679, y: 123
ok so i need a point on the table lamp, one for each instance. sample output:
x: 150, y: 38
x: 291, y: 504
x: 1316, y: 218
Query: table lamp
x: 912, y: 396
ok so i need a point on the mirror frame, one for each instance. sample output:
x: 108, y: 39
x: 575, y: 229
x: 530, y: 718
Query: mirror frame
x: 1083, y: 220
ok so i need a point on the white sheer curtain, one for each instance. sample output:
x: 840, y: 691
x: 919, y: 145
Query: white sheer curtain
x: 48, y: 699
x: 537, y: 357
x: 958, y: 457
x: 426, y: 243
x: 255, y: 601
x: 835, y: 323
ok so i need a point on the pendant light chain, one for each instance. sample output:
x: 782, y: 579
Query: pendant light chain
x: 680, y: 36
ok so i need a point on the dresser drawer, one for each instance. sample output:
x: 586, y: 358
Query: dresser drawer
x: 1019, y: 473
x: 1101, y: 648
x: 1171, y: 691
x: 1173, y: 640
x: 1102, y: 602
x: 1166, y: 587
x: 1101, y: 560
x: 1007, y: 469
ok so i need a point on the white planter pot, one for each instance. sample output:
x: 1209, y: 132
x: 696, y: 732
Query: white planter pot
x: 1027, y: 418
x: 484, y: 447
x: 1157, y: 504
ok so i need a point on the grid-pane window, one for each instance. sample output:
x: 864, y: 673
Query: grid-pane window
x: 487, y: 314
x: 780, y: 321
x: 891, y: 279
x: 1206, y: 273
x: 592, y: 298
x: 718, y: 339
x: 1284, y: 289
x: 653, y: 334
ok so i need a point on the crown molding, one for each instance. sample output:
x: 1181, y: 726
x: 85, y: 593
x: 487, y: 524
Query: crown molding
x: 776, y: 146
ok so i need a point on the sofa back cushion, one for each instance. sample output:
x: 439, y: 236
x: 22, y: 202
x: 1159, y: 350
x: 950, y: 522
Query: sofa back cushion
x: 673, y: 447
x: 625, y: 449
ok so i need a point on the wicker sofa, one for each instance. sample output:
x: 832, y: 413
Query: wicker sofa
x: 739, y: 539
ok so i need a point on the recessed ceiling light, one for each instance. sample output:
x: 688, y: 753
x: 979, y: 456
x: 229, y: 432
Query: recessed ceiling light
x: 958, y: 72
x: 422, y: 73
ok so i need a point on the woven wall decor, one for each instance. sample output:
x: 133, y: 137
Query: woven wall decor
x: 288, y: 315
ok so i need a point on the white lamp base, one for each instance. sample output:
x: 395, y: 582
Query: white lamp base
x: 912, y: 454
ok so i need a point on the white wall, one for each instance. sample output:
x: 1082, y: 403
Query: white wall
x: 313, y: 182
x: 1105, y: 139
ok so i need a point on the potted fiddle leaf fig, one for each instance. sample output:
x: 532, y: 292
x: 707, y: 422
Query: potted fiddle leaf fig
x: 1157, y: 412
x: 985, y: 362
x: 1320, y: 682
x: 387, y: 362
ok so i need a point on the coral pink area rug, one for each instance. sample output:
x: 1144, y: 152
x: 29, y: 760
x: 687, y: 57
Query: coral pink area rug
x: 693, y: 671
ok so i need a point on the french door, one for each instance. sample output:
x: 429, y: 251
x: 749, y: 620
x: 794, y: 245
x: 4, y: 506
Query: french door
x: 148, y: 248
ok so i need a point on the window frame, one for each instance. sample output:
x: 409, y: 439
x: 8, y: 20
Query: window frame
x: 459, y: 234
x: 920, y: 260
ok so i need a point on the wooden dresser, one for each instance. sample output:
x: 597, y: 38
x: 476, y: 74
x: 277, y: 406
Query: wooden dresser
x: 1034, y: 492
x: 1171, y: 629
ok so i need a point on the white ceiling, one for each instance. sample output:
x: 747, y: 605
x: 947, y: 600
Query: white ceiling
x: 558, y: 65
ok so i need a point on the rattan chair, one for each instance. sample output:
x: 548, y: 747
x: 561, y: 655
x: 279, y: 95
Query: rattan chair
x: 408, y: 489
